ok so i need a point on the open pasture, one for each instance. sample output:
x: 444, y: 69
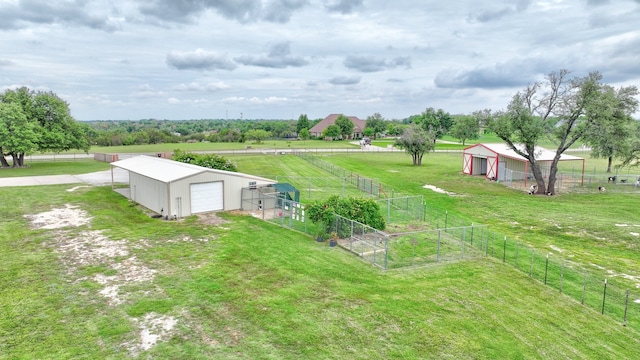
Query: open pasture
x: 119, y: 284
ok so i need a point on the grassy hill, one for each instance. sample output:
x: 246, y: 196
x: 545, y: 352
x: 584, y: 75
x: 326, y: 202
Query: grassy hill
x: 237, y: 287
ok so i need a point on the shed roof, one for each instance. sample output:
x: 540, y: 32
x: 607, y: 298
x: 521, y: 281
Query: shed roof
x: 542, y: 154
x: 166, y: 170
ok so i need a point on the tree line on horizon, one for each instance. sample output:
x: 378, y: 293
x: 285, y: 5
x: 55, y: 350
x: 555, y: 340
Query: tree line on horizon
x: 560, y: 109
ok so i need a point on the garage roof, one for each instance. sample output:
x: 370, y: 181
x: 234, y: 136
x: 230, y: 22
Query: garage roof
x: 542, y: 154
x: 166, y: 170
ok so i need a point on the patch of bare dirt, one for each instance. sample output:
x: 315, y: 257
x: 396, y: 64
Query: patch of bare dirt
x: 211, y: 218
x: 69, y: 216
x: 93, y: 248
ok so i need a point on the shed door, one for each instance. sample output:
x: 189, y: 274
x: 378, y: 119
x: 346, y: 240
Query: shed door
x: 206, y: 197
x: 467, y: 164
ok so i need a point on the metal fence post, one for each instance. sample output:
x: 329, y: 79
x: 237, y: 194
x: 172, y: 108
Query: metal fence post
x: 504, y: 250
x: 626, y: 306
x: 546, y: 268
x: 604, y: 295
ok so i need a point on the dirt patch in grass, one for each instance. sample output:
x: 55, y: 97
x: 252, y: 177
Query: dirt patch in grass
x: 211, y: 218
x: 439, y: 190
x: 93, y: 248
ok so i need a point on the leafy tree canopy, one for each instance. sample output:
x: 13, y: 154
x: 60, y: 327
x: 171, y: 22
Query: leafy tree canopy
x: 416, y: 141
x: 49, y: 118
x: 465, y: 128
x: 332, y: 131
x: 258, y: 135
x: 434, y: 121
x: 303, y: 123
x: 376, y: 123
x: 346, y: 126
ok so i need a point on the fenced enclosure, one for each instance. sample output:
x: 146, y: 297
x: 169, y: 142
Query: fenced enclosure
x: 575, y: 182
x: 370, y: 186
x: 318, y: 188
x: 425, y: 247
x: 441, y: 237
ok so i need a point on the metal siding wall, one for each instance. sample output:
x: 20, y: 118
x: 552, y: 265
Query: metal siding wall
x: 149, y: 193
x: 517, y: 166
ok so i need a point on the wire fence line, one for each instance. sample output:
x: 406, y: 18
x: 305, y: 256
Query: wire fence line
x: 577, y: 182
x: 603, y: 291
x: 445, y: 238
x: 418, y: 234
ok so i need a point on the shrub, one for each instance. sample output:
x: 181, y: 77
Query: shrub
x: 211, y: 161
x: 363, y: 210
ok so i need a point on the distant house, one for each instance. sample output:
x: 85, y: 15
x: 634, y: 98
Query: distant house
x: 358, y: 128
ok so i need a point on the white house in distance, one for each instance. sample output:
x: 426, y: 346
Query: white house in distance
x: 177, y: 189
x: 500, y: 162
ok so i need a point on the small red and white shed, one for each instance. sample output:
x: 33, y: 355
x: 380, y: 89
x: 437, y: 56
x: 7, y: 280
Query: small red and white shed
x: 500, y: 162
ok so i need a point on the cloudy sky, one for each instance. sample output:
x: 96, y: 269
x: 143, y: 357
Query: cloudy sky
x: 277, y: 59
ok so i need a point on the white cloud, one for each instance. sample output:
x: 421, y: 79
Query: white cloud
x: 135, y: 59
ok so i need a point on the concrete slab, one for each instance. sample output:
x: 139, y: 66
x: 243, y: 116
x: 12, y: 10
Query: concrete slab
x: 99, y: 178
x: 39, y: 180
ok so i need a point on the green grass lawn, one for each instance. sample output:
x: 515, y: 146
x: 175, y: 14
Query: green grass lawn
x: 203, y: 146
x: 58, y: 167
x: 246, y: 289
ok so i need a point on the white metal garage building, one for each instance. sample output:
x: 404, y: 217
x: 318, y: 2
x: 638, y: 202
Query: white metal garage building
x: 500, y: 162
x: 177, y: 189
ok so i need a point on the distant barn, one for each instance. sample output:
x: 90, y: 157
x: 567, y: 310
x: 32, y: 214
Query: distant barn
x: 499, y: 162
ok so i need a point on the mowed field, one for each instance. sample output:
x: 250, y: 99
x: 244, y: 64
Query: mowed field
x: 233, y: 286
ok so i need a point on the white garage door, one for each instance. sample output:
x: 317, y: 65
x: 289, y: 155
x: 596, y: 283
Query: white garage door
x: 206, y: 197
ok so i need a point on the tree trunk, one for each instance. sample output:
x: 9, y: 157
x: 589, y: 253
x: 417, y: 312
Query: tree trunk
x: 537, y: 174
x: 4, y: 163
x: 609, y: 163
x: 16, y: 160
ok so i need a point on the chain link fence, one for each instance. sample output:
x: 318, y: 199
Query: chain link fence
x: 608, y: 293
x: 576, y: 182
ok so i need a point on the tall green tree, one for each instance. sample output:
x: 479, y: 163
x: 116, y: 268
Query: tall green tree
x: 434, y: 121
x: 465, y: 128
x: 17, y: 135
x: 303, y: 123
x: 258, y: 135
x: 49, y: 117
x: 377, y: 123
x: 304, y: 134
x: 557, y: 107
x: 416, y: 141
x: 58, y: 130
x: 332, y: 131
x: 346, y: 126
x: 610, y: 134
